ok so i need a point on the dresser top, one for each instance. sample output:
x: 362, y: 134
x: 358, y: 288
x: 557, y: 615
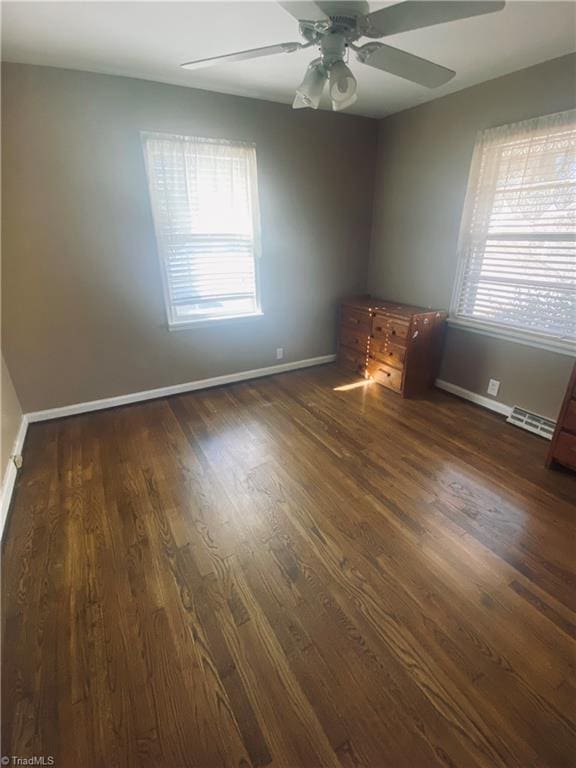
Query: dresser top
x: 375, y: 304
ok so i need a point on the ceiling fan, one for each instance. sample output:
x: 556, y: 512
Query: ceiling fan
x: 334, y: 27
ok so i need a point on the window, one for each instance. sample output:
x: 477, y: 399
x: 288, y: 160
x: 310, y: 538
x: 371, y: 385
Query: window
x: 517, y: 255
x: 205, y: 205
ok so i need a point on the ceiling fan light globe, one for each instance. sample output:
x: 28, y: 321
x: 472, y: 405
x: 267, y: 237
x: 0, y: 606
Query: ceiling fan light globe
x: 304, y: 102
x: 299, y: 102
x: 342, y: 85
x: 309, y: 92
x: 338, y: 106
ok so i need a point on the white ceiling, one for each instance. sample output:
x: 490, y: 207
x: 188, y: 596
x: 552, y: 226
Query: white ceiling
x: 150, y: 39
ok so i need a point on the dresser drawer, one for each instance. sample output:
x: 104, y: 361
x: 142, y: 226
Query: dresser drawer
x: 398, y: 332
x: 352, y: 360
x: 355, y: 319
x: 385, y: 375
x: 379, y: 325
x: 393, y: 330
x: 390, y: 354
x: 354, y: 338
x: 565, y: 449
x: 383, y: 351
x: 570, y: 417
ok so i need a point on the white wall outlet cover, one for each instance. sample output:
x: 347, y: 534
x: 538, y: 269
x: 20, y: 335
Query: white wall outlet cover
x: 279, y: 353
x: 493, y: 387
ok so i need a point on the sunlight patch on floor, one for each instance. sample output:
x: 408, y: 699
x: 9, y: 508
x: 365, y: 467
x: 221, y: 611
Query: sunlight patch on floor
x: 354, y: 385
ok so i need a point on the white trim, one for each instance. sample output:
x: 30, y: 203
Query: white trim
x: 175, y: 389
x: 560, y: 346
x: 186, y: 325
x: 485, y: 402
x: 10, y: 473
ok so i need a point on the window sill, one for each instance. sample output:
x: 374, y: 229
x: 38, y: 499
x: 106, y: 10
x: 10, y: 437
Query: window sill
x: 205, y: 322
x: 560, y: 346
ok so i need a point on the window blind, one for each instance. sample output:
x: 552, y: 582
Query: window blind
x: 205, y: 205
x: 517, y: 255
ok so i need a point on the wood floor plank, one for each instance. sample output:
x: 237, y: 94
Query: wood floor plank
x: 286, y: 573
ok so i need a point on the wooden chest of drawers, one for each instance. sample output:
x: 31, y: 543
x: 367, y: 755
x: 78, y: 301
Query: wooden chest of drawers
x: 563, y: 446
x: 397, y: 345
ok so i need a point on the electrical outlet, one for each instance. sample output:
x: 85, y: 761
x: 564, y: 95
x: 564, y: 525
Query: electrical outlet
x: 279, y: 353
x: 493, y: 387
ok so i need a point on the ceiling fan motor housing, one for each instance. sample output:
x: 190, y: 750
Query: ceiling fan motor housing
x: 333, y: 37
x: 333, y: 48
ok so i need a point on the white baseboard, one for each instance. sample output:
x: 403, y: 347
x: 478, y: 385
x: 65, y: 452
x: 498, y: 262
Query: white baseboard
x: 176, y: 389
x: 10, y: 474
x: 485, y: 402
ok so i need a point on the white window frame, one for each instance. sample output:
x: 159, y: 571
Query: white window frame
x: 562, y: 345
x: 189, y: 323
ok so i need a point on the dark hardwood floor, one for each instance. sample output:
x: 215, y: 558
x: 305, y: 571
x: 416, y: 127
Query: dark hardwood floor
x: 286, y: 573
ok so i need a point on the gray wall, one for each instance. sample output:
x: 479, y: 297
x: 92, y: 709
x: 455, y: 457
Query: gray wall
x: 423, y: 163
x: 82, y: 300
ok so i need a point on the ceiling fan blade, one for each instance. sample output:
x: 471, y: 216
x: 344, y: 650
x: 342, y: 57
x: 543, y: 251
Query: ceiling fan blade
x: 251, y: 53
x: 415, y: 15
x: 345, y: 7
x: 304, y: 10
x: 404, y: 64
